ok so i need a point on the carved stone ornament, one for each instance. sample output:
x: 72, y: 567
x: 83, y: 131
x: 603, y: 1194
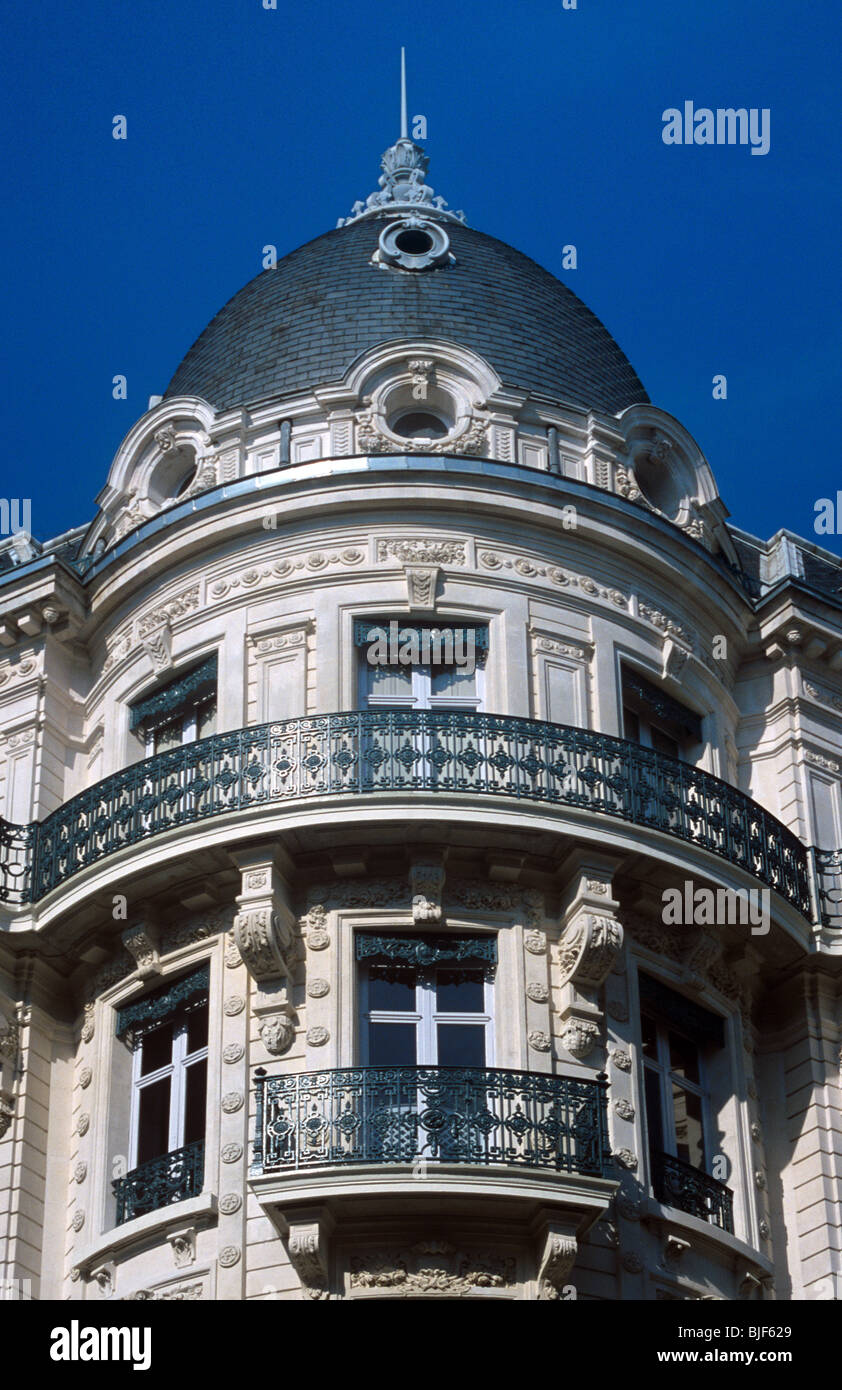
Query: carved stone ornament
x: 261, y: 942
x: 318, y: 988
x: 9, y: 1034
x: 7, y: 1112
x: 318, y: 940
x: 626, y: 1159
x: 426, y: 881
x: 229, y: 1255
x: 141, y: 942
x: 306, y: 1244
x: 234, y: 1004
x: 621, y: 1059
x: 588, y: 949
x: 629, y: 1207
x: 618, y: 1009
x: 317, y: 1037
x: 230, y: 1203
x: 539, y: 1040
x: 539, y: 994
x: 78, y: 1220
x: 231, y: 1153
x: 535, y: 942
x: 83, y: 1123
x: 85, y: 1078
x: 624, y: 1109
x: 431, y: 1267
x: 232, y: 1101
x: 421, y: 583
x: 556, y: 1261
x: 579, y: 1037
x: 233, y: 1053
x: 88, y: 1026
x: 276, y: 1033
x: 80, y: 1172
x: 183, y: 1245
x: 632, y: 1263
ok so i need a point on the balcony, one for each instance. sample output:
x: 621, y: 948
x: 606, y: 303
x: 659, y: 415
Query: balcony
x: 406, y: 752
x: 678, y: 1184
x: 160, y: 1182
x: 431, y: 1115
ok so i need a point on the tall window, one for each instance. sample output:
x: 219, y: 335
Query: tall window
x: 655, y: 720
x: 179, y: 712
x: 678, y: 1038
x: 426, y: 1001
x: 424, y: 667
x: 168, y: 1034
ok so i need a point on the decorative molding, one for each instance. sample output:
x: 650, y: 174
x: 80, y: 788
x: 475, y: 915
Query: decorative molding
x: 142, y: 943
x: 432, y: 550
x: 277, y: 1032
x: 183, y: 1246
x: 233, y: 1005
x: 230, y: 1203
x: 622, y: 1060
x: 229, y: 1256
x: 232, y: 1101
x: 539, y: 1040
x: 538, y: 993
x: 421, y: 584
x: 233, y: 1053
x: 85, y: 1078
x: 231, y: 1153
x: 255, y: 577
x: 432, y: 1267
x: 136, y: 633
x: 307, y: 1247
x: 579, y: 1037
x: 624, y: 1109
x: 317, y: 1037
x: 556, y: 1260
x: 588, y: 949
x: 426, y: 881
x: 626, y: 1158
x: 317, y: 988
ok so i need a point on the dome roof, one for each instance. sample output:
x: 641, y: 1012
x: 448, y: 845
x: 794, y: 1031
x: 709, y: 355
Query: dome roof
x: 304, y: 323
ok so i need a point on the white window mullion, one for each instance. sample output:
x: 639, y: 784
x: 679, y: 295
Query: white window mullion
x: 179, y: 1049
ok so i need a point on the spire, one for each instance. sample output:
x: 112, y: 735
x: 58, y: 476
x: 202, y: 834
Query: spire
x: 402, y: 186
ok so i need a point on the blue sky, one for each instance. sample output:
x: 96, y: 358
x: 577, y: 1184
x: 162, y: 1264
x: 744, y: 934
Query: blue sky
x: 248, y: 127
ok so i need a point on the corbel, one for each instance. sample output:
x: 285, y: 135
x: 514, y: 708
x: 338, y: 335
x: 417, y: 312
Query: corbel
x: 426, y: 884
x: 263, y: 927
x: 142, y: 941
x: 590, y: 943
x: 307, y: 1238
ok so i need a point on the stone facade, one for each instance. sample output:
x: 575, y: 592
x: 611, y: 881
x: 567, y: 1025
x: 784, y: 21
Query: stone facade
x: 593, y: 550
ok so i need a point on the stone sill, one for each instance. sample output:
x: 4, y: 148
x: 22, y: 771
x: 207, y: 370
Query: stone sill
x: 148, y: 1230
x: 693, y: 1229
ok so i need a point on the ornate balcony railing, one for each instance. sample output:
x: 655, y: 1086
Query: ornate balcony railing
x: 405, y: 751
x: 407, y: 1115
x: 160, y: 1182
x: 678, y: 1184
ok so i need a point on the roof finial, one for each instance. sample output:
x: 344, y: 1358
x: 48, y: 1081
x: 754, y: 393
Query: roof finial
x: 404, y: 128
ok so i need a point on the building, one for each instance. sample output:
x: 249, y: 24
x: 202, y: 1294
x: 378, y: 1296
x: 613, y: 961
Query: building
x: 421, y: 809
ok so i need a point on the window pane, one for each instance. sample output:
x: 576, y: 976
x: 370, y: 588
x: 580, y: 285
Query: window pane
x: 649, y: 1036
x: 453, y: 680
x: 654, y: 1121
x: 631, y: 725
x: 206, y: 719
x: 391, y: 987
x: 662, y: 743
x: 154, y: 1120
x: 684, y: 1058
x: 389, y: 680
x: 460, y: 992
x: 195, y: 1099
x: 156, y: 1049
x: 197, y: 1028
x: 689, y: 1138
x: 461, y: 1045
x: 391, y: 1044
x: 168, y: 735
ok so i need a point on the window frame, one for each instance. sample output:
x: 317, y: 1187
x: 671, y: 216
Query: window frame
x: 425, y: 1015
x: 176, y: 1069
x: 661, y: 1066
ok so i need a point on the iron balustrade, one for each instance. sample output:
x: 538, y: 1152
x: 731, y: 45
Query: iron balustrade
x: 160, y: 1182
x: 406, y: 1115
x: 679, y: 1184
x: 403, y: 751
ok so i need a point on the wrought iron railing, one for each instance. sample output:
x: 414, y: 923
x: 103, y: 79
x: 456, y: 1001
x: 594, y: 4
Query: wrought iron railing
x: 404, y: 751
x: 679, y: 1184
x: 413, y: 1115
x: 160, y: 1182
x: 828, y: 880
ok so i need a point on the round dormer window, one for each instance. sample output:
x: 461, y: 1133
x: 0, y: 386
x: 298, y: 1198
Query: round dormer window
x: 420, y: 424
x: 413, y: 244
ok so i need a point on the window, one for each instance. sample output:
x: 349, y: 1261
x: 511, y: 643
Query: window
x: 179, y: 712
x: 676, y: 1039
x: 655, y: 720
x: 426, y: 1001
x: 414, y: 666
x: 168, y: 1034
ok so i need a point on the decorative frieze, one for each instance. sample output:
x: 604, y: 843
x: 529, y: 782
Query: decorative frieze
x: 432, y: 1267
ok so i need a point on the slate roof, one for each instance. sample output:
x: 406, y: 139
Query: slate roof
x: 305, y: 322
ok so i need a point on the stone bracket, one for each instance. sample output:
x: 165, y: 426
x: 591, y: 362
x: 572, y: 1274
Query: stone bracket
x: 426, y: 884
x: 264, y: 925
x: 183, y: 1244
x: 307, y: 1237
x: 142, y: 941
x: 557, y: 1252
x: 421, y: 584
